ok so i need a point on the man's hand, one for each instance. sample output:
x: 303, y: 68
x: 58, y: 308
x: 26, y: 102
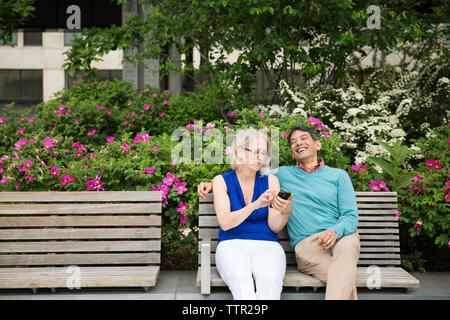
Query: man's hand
x: 327, y: 239
x: 204, y: 188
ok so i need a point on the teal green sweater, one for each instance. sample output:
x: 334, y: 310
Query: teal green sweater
x: 324, y: 199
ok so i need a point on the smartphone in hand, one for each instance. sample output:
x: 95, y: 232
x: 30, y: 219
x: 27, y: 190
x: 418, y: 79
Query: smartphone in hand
x: 284, y: 195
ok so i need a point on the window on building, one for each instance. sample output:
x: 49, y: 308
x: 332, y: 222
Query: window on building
x: 32, y: 37
x: 13, y: 40
x: 21, y: 86
x: 101, y: 74
x: 69, y: 36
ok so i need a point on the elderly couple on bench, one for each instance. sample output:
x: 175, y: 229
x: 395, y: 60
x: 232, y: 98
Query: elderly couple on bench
x: 321, y: 216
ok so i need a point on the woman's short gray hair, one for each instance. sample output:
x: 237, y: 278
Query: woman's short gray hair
x: 242, y: 139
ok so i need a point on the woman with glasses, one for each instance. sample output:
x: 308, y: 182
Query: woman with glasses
x: 250, y: 214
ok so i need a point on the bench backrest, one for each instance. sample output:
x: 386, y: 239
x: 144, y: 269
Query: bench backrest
x: 80, y: 228
x: 377, y: 227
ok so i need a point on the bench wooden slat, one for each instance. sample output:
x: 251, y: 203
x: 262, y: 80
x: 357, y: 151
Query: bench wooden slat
x: 86, y: 233
x: 58, y: 277
x: 393, y: 247
x: 211, y: 221
x: 390, y: 278
x: 79, y: 246
x: 79, y: 259
x: 386, y: 208
x: 79, y: 208
x: 66, y: 221
x: 80, y: 196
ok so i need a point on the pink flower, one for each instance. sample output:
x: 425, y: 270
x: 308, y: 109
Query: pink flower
x: 169, y: 180
x: 437, y: 165
x: 358, y: 167
x: 448, y: 141
x: 417, y: 179
x: 163, y: 188
x: 149, y: 170
x: 92, y: 132
x: 21, y: 131
x: 54, y: 171
x: 434, y: 163
x: 261, y: 114
x: 48, y: 143
x: 210, y: 125
x: 184, y: 218
x: 30, y: 178
x: 398, y: 214
x: 326, y: 134
x: 4, y: 180
x: 125, y: 148
x: 166, y: 102
x: 76, y: 120
x: 154, y: 95
x: 190, y: 126
x: 79, y: 153
x: 147, y: 106
x: 100, y: 107
x: 155, y: 148
x: 22, y: 168
x: 182, y: 206
x: 76, y: 145
x: 144, y: 137
x: 28, y: 163
x: 110, y: 139
x: 320, y: 127
x: 430, y: 163
x: 161, y: 115
x: 230, y: 113
x: 180, y: 188
x: 66, y: 179
x: 174, y: 162
x: 3, y: 120
x: 417, y: 225
x: 312, y: 120
x: 378, y: 185
x: 95, y: 184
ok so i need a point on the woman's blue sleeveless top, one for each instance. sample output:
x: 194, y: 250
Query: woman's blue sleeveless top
x: 255, y: 227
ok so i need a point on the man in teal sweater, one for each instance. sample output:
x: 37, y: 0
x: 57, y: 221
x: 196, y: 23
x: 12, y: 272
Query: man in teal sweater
x: 324, y: 215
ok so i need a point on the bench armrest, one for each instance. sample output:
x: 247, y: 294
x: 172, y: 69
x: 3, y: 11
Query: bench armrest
x: 205, y: 267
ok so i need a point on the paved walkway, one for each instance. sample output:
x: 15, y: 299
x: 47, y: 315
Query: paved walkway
x: 180, y: 285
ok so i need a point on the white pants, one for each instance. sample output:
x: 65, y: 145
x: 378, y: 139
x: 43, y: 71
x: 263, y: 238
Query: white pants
x: 241, y: 261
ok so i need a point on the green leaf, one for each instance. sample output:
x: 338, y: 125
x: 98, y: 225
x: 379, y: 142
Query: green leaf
x: 403, y: 180
x: 386, y: 166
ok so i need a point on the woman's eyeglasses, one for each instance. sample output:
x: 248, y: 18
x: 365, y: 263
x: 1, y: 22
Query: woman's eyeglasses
x: 257, y: 152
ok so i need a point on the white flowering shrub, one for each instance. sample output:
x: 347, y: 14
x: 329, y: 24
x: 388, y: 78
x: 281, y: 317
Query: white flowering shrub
x: 391, y: 105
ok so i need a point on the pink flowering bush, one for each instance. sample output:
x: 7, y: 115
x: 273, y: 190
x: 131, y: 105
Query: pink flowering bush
x: 425, y: 201
x: 107, y: 136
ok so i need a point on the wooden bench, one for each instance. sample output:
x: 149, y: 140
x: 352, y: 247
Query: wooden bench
x: 379, y: 261
x: 79, y: 239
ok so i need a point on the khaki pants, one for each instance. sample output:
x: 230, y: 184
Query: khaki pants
x: 336, y: 266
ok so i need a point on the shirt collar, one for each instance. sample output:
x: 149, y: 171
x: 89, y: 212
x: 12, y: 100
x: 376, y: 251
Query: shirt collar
x: 319, y: 166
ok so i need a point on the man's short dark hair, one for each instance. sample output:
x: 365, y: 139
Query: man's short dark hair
x: 311, y: 132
